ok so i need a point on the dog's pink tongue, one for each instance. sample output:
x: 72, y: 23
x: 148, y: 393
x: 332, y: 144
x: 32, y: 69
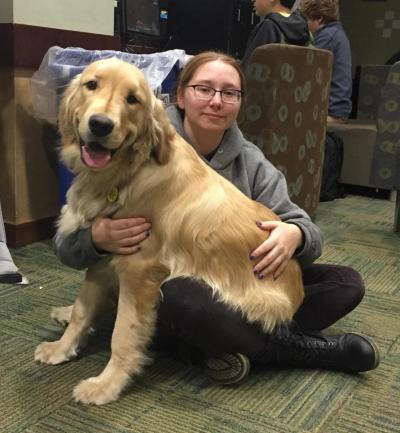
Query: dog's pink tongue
x: 95, y: 157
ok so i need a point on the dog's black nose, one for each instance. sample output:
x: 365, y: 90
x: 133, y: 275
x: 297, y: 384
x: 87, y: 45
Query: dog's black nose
x: 100, y: 125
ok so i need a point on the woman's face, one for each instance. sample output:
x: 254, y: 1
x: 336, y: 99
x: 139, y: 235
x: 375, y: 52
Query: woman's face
x: 213, y: 115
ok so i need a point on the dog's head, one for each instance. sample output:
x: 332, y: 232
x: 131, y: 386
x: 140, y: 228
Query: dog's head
x: 109, y: 114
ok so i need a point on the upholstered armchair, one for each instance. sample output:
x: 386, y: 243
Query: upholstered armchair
x: 372, y: 141
x: 385, y: 171
x: 359, y: 135
x: 372, y: 79
x: 284, y: 113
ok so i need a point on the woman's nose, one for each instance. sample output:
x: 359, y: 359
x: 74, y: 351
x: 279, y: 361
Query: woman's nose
x: 217, y: 98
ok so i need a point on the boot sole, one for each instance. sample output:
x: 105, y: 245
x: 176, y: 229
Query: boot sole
x: 228, y: 369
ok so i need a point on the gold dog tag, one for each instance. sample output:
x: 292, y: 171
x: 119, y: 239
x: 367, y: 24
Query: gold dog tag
x: 112, y: 196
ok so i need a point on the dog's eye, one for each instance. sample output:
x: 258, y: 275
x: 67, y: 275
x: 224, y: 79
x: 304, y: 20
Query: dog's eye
x: 131, y: 99
x: 91, y: 85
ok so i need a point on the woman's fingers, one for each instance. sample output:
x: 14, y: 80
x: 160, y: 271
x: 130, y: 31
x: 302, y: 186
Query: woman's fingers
x: 280, y: 269
x: 268, y: 264
x: 119, y: 236
x: 132, y: 232
x: 134, y: 240
x: 125, y: 223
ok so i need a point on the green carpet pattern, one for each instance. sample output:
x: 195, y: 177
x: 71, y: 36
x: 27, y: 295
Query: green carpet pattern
x: 174, y: 397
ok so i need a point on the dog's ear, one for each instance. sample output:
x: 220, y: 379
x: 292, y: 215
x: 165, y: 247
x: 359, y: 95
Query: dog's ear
x: 68, y: 106
x: 162, y: 132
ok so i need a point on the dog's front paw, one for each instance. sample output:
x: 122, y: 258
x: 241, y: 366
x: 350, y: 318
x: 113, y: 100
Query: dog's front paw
x: 95, y: 391
x: 54, y: 353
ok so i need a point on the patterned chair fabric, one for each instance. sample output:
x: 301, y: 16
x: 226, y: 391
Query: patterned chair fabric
x: 385, y: 171
x: 372, y: 79
x: 284, y: 113
x: 386, y: 160
x: 359, y: 135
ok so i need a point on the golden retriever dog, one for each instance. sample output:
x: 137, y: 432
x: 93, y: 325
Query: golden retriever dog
x: 130, y: 161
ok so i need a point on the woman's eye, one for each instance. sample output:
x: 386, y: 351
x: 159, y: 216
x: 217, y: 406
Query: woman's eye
x: 205, y: 90
x: 91, y: 85
x: 131, y: 99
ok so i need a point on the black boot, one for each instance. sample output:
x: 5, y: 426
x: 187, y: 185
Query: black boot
x: 350, y: 352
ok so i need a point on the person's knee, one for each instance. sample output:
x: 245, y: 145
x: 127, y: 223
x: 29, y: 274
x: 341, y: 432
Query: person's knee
x: 355, y: 288
x: 185, y: 300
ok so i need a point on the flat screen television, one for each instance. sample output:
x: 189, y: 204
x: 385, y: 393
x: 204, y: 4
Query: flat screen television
x: 143, y: 16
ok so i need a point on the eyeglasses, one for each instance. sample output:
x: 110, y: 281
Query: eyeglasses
x: 206, y: 93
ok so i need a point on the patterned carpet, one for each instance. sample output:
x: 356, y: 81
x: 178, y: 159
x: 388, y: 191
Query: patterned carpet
x: 174, y: 397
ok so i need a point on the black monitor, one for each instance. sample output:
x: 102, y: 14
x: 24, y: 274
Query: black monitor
x: 142, y: 16
x: 143, y: 21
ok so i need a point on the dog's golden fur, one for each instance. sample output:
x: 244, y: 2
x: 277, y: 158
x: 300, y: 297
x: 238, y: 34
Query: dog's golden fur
x: 202, y: 226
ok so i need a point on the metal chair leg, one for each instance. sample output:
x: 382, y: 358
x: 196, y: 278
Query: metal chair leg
x: 397, y: 212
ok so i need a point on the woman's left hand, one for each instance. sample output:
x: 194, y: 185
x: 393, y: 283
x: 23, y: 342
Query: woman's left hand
x: 278, y: 249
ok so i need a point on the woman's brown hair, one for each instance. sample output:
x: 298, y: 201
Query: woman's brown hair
x: 200, y: 59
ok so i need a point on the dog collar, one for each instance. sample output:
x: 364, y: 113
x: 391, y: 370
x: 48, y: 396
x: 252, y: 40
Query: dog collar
x: 112, y: 196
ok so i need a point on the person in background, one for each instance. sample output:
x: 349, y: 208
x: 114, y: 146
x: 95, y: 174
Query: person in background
x: 8, y: 271
x: 323, y: 18
x: 209, y: 95
x: 277, y: 25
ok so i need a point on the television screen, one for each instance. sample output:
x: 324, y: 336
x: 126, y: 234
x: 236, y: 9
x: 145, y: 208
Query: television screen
x: 143, y: 16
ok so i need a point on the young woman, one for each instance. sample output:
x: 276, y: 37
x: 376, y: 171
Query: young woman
x: 209, y: 95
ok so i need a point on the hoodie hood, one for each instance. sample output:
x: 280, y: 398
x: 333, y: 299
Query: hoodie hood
x: 294, y: 27
x: 276, y: 28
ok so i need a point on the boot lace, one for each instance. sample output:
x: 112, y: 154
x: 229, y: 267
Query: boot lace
x: 304, y: 346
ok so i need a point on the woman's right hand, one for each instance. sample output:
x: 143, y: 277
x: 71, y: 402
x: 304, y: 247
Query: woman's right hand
x: 119, y: 236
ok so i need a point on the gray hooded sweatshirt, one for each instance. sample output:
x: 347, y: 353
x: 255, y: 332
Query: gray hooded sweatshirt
x: 243, y: 164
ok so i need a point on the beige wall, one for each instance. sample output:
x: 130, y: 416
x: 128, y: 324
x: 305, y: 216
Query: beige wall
x: 6, y: 11
x: 91, y: 16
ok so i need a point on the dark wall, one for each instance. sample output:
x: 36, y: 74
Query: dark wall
x: 373, y: 29
x: 221, y: 25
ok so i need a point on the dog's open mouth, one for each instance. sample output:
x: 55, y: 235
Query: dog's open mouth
x: 94, y: 155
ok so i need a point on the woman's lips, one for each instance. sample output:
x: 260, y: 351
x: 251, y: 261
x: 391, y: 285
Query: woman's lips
x: 213, y: 115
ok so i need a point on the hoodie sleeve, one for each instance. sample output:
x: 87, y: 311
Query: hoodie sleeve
x: 76, y: 250
x: 270, y: 189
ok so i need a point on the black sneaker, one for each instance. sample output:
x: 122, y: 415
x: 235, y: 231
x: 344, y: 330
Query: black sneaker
x: 14, y: 278
x: 227, y: 368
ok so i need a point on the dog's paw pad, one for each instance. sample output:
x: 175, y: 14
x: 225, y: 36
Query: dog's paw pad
x: 53, y: 353
x: 94, y: 391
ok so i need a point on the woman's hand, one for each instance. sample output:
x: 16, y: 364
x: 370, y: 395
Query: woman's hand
x: 119, y: 236
x: 278, y: 249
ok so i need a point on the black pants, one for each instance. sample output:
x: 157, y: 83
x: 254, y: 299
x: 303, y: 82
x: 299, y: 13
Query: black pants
x: 189, y: 313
